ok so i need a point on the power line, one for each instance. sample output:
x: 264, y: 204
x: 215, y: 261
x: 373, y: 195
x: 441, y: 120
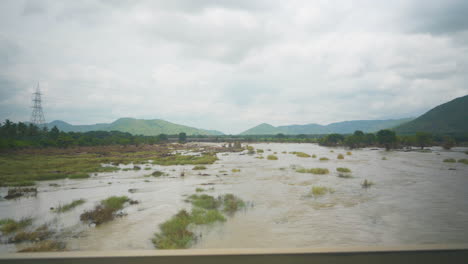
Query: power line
x: 37, y: 116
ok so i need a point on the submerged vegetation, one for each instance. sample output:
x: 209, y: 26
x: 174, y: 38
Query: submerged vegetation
x: 272, y: 157
x: 324, y: 158
x: 366, y: 183
x: 105, y: 211
x: 450, y: 160
x: 69, y: 206
x: 319, y: 171
x: 175, y: 233
x: 464, y: 161
x: 199, y: 167
x: 301, y: 154
x: 343, y: 170
x: 45, y: 246
x: 320, y: 190
x: 340, y: 156
x: 8, y: 225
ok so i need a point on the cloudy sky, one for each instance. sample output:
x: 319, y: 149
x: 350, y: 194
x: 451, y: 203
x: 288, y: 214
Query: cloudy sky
x: 230, y: 65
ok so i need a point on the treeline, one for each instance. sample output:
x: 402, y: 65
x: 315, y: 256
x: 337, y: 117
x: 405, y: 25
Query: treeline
x: 27, y: 135
x: 388, y: 139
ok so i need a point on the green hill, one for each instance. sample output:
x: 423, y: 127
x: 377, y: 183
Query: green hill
x: 345, y: 127
x: 135, y: 126
x: 448, y: 118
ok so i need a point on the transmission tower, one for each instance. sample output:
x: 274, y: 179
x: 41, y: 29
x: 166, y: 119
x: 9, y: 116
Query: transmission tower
x: 37, y: 116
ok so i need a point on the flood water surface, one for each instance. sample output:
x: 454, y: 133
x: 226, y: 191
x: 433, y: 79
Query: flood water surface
x: 416, y: 199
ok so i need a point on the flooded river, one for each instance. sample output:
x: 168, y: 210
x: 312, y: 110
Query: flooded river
x: 416, y: 199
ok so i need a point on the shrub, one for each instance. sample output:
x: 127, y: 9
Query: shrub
x: 272, y: 157
x: 450, y: 160
x: 340, y: 156
x: 324, y: 158
x: 199, y: 167
x: 319, y: 171
x: 343, y: 170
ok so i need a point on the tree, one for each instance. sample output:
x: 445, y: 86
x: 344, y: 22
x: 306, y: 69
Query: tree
x: 448, y: 142
x: 54, y: 133
x: 387, y: 138
x: 182, y: 137
x: 423, y: 139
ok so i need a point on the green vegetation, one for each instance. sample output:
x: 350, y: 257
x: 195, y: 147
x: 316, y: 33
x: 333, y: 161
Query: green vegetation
x: 105, y: 211
x: 231, y: 203
x: 314, y: 156
x: 344, y: 170
x: 78, y: 176
x: 349, y: 153
x: 8, y: 226
x: 340, y: 156
x: 69, y: 206
x: 174, y: 233
x: 319, y: 171
x: 324, y: 158
x: 344, y: 175
x: 199, y: 190
x: 450, y: 160
x: 260, y: 151
x: 39, y: 234
x: 301, y: 154
x: 272, y: 157
x: 204, y: 217
x: 199, y: 167
x: 235, y: 170
x: 366, y: 184
x: 384, y: 158
x: 464, y: 161
x: 448, y: 118
x: 259, y: 157
x: 387, y: 138
x: 157, y: 173
x: 320, y: 190
x: 45, y: 246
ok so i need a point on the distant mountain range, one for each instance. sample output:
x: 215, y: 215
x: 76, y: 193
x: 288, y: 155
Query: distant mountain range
x: 135, y: 126
x: 448, y: 118
x: 345, y: 127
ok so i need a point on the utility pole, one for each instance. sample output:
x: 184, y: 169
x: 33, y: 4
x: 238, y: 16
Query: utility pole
x: 37, y: 116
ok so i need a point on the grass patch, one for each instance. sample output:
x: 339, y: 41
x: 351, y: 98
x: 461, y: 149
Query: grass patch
x: 199, y: 167
x: 272, y: 157
x: 235, y: 170
x: 157, y: 173
x: 204, y: 201
x: 320, y: 190
x: 8, y: 225
x: 174, y: 232
x: 18, y: 184
x: 324, y: 158
x: 319, y: 171
x: 260, y: 151
x: 203, y: 217
x: 302, y: 154
x: 343, y: 175
x: 314, y: 156
x: 343, y: 170
x: 366, y: 184
x: 69, y: 206
x: 464, y: 161
x: 450, y: 160
x: 349, y: 153
x: 340, y: 156
x: 39, y: 234
x: 45, y: 246
x: 199, y: 190
x: 105, y: 211
x: 384, y: 158
x: 231, y: 203
x: 259, y: 157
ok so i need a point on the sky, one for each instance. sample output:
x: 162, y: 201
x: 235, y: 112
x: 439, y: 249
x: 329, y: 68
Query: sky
x: 231, y: 65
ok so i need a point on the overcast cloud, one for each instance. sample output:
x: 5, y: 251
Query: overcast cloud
x: 230, y: 65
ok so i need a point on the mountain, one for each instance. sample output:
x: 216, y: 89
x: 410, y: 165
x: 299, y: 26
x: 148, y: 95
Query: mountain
x: 135, y: 126
x: 448, y: 118
x: 345, y: 127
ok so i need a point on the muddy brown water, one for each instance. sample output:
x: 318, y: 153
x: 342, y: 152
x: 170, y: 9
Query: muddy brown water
x: 416, y: 199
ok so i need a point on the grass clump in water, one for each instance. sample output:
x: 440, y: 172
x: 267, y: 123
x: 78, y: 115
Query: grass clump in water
x: 41, y: 233
x: 349, y: 153
x: 272, y: 157
x: 340, y: 156
x: 384, y: 158
x: 174, y: 233
x: 204, y: 201
x: 366, y: 184
x: 260, y: 151
x: 199, y: 167
x: 105, y: 211
x: 68, y: 207
x: 450, y: 160
x: 199, y: 190
x: 314, y: 156
x: 319, y: 171
x: 231, y: 203
x: 235, y: 170
x: 8, y: 225
x: 259, y: 157
x: 324, y: 158
x: 345, y: 175
x: 320, y: 190
x: 345, y: 170
x: 203, y: 217
x: 464, y: 161
x: 157, y: 173
x: 302, y: 155
x: 45, y: 246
